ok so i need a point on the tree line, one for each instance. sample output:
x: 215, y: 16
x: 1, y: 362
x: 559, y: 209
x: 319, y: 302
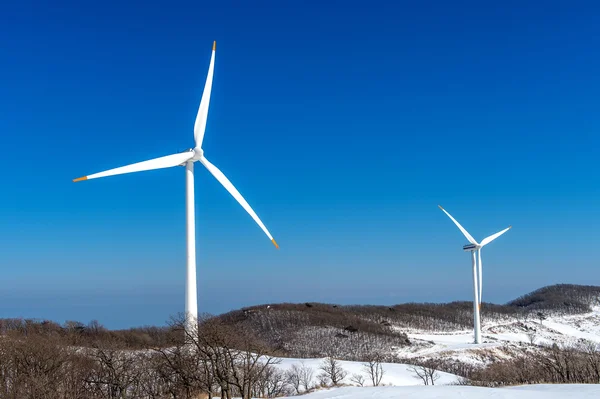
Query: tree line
x: 43, y: 360
x: 40, y: 360
x: 577, y: 363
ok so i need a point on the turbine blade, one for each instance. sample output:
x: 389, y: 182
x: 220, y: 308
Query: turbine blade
x: 200, y: 125
x: 480, y: 276
x: 236, y: 194
x: 465, y: 232
x: 491, y: 238
x: 156, y: 163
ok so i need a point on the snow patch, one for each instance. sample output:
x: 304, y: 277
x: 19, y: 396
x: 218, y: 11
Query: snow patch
x: 461, y: 392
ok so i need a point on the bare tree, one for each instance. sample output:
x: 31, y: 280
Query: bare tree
x: 117, y: 374
x: 184, y: 372
x: 541, y: 317
x: 306, y: 377
x: 431, y: 371
x: 524, y: 314
x: 323, y: 379
x: 420, y: 372
x: 426, y: 371
x: 333, y: 370
x: 293, y: 378
x: 36, y: 366
x: 554, y: 364
x: 238, y: 359
x: 33, y: 367
x: 358, y: 379
x: 531, y: 336
x: 591, y: 352
x: 272, y: 383
x: 94, y: 327
x: 374, y: 368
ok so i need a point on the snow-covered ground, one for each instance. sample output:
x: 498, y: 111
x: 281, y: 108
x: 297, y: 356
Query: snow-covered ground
x: 499, y: 337
x: 394, y: 373
x: 462, y: 392
x: 500, y: 340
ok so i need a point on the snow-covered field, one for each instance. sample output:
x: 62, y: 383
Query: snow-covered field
x: 500, y: 337
x: 462, y: 392
x: 394, y: 373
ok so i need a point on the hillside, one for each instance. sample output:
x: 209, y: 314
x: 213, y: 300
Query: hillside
x: 566, y: 298
x: 558, y: 313
x: 555, y: 313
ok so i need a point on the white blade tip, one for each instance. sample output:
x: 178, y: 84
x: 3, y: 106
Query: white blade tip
x: 275, y: 243
x: 80, y: 179
x: 215, y: 45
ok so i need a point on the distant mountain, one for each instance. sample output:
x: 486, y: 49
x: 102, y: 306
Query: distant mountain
x: 568, y: 298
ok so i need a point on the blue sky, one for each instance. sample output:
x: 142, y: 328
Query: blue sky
x: 344, y: 125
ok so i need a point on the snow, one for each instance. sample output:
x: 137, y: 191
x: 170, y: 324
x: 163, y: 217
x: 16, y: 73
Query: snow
x: 572, y: 331
x: 394, y: 373
x: 462, y: 392
x: 499, y: 337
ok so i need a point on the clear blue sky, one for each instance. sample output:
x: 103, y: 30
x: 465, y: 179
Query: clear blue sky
x: 343, y: 124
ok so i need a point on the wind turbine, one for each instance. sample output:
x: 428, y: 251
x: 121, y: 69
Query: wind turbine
x: 187, y: 159
x: 475, y: 248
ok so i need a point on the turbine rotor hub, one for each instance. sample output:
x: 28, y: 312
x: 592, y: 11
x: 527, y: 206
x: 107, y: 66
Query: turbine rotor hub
x: 198, y: 153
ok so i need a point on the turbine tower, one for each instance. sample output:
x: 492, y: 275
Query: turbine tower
x: 475, y: 248
x: 187, y: 159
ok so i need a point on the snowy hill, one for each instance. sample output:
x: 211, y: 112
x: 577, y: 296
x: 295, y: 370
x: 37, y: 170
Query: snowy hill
x: 561, y: 314
x: 500, y: 339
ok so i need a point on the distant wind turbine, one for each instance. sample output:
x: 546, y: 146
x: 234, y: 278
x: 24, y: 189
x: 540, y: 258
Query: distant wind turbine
x: 187, y: 159
x: 475, y: 247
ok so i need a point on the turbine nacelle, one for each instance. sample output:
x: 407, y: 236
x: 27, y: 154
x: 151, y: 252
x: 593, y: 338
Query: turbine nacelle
x: 471, y: 247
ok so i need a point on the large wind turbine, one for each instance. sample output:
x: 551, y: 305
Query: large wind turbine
x: 475, y: 248
x: 187, y: 159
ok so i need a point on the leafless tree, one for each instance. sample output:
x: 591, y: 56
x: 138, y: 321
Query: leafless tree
x: 541, y: 317
x: 548, y: 364
x: 420, y: 372
x: 358, y: 379
x: 293, y: 378
x: 374, y: 368
x: 431, y: 371
x: 426, y: 371
x: 183, y: 371
x: 237, y: 359
x: 332, y: 368
x: 117, y: 374
x: 531, y: 336
x: 94, y: 327
x: 306, y: 377
x: 37, y: 366
x: 272, y: 383
x: 591, y: 352
x: 323, y: 379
